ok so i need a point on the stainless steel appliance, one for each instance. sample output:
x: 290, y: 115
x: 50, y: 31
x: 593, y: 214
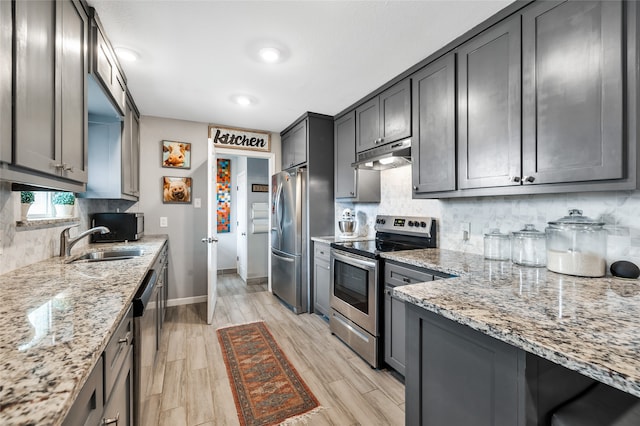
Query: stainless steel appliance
x: 122, y: 227
x: 356, y: 285
x: 384, y: 157
x: 288, y: 231
x: 146, y: 334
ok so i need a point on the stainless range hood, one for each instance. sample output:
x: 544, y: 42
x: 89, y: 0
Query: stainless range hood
x: 384, y: 157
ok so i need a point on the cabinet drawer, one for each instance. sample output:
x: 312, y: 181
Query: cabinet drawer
x: 321, y: 251
x: 399, y: 275
x: 115, y: 354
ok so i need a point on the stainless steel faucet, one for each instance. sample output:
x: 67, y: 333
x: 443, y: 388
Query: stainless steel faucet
x: 66, y: 242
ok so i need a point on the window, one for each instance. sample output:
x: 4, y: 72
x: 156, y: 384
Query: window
x: 42, y: 206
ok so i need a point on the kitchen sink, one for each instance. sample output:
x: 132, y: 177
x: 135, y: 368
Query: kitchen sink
x: 102, y: 256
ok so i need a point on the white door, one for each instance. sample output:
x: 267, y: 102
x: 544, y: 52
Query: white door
x: 211, y: 239
x: 242, y: 224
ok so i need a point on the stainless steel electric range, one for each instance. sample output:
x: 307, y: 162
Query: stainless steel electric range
x: 356, y: 280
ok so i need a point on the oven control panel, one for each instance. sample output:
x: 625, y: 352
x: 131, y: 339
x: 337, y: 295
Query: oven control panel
x: 410, y: 225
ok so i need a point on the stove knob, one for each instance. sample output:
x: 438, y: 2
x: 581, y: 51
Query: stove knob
x: 410, y: 223
x: 377, y: 220
x: 423, y: 224
x: 383, y: 221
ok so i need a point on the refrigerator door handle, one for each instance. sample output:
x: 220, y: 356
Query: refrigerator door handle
x: 286, y: 259
x: 279, y: 216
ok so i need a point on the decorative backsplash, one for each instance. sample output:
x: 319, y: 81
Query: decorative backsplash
x: 619, y: 210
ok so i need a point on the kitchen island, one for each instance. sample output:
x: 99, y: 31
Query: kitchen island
x: 587, y: 325
x: 55, y: 321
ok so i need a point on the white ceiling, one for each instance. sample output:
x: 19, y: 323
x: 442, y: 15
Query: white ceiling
x: 195, y: 55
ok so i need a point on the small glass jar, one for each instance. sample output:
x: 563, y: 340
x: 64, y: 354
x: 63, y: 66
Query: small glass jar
x: 496, y: 245
x: 577, y: 245
x: 528, y: 247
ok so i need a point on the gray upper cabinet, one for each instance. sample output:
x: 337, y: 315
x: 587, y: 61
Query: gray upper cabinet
x: 294, y: 146
x: 105, y: 67
x: 6, y: 64
x: 385, y: 118
x: 352, y: 184
x: 434, y: 134
x: 489, y: 143
x: 131, y: 150
x: 573, y: 74
x: 50, y: 121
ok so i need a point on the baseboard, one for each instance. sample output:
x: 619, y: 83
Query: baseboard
x: 257, y: 280
x: 186, y: 301
x: 231, y: 271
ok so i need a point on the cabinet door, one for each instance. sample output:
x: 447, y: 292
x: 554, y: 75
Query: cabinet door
x: 6, y: 73
x: 118, y: 410
x: 294, y: 146
x: 489, y: 142
x: 130, y: 152
x: 573, y: 73
x: 135, y: 154
x: 36, y: 145
x: 321, y: 282
x: 345, y: 141
x: 73, y: 68
x: 395, y: 112
x: 434, y: 143
x: 367, y: 125
x: 394, y: 327
x: 106, y: 68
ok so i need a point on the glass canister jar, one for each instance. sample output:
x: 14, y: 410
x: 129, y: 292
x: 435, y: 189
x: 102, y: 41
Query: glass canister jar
x: 577, y: 245
x: 528, y: 247
x: 496, y: 245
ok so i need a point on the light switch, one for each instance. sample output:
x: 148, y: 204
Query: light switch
x: 197, y: 203
x: 163, y: 222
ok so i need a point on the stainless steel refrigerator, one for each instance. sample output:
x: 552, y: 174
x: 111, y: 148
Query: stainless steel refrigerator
x: 288, y: 238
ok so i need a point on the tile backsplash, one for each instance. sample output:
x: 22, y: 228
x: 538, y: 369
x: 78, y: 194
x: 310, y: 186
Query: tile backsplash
x: 620, y: 210
x: 23, y: 246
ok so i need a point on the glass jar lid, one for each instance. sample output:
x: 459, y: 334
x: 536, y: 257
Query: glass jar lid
x: 495, y: 233
x: 529, y: 231
x: 575, y: 219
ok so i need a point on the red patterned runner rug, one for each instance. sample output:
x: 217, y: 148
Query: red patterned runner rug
x: 266, y: 388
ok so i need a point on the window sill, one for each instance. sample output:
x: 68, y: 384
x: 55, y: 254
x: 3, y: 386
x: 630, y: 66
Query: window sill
x: 45, y: 222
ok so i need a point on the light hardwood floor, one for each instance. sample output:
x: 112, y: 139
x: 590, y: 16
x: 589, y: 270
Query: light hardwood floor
x: 191, y: 385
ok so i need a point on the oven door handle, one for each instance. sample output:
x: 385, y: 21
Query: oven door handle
x: 355, y: 261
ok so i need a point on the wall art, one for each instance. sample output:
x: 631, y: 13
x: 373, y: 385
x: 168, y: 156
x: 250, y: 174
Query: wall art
x: 229, y: 137
x: 223, y: 195
x: 176, y: 155
x: 176, y: 189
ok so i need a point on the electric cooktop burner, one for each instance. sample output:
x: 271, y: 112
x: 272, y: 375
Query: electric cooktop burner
x: 394, y: 233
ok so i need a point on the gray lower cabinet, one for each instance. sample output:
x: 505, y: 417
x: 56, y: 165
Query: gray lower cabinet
x: 352, y: 184
x: 458, y: 376
x: 573, y: 102
x: 118, y: 410
x: 489, y: 75
x: 89, y: 405
x: 397, y: 274
x: 384, y: 118
x: 50, y: 80
x: 321, y: 278
x: 434, y: 127
x: 6, y: 73
x: 294, y: 145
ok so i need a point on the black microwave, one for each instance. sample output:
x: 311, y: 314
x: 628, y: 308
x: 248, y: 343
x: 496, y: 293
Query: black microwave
x: 122, y: 227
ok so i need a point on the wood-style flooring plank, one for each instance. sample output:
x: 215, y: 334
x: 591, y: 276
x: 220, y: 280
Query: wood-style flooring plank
x: 191, y: 386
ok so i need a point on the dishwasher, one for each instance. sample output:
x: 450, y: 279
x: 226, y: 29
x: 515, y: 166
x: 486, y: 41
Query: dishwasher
x: 145, y: 312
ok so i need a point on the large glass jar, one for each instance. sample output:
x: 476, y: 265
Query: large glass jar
x: 577, y: 245
x: 496, y: 245
x: 528, y: 247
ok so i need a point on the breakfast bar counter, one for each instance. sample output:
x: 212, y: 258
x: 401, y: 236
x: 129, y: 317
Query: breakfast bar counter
x: 588, y: 325
x: 55, y: 321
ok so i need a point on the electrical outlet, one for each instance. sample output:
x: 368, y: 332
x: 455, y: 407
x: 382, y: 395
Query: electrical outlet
x: 197, y: 203
x: 163, y: 222
x: 465, y: 229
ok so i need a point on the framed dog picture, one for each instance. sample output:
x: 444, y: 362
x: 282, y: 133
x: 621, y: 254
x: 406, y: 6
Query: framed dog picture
x: 176, y: 155
x: 176, y: 190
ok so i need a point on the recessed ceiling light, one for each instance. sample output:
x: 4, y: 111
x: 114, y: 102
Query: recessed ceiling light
x: 270, y: 55
x: 127, y: 54
x: 243, y: 100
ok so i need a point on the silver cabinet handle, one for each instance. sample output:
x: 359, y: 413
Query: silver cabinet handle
x: 67, y: 168
x: 529, y: 178
x: 415, y: 187
x: 352, y: 193
x: 244, y: 234
x: 209, y: 240
x: 125, y: 339
x: 115, y: 420
x: 378, y: 141
x: 515, y: 178
x: 58, y: 166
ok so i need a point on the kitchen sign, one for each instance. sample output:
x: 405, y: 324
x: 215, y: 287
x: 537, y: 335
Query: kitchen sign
x: 228, y: 137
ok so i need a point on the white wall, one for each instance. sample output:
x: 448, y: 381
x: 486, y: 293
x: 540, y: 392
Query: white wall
x: 619, y: 210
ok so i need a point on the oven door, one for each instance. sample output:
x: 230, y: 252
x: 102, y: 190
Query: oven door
x: 354, y: 289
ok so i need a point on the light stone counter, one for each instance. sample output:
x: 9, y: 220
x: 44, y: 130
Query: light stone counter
x: 55, y: 321
x: 589, y: 325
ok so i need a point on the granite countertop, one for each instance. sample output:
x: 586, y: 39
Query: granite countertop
x: 333, y: 239
x: 589, y: 325
x: 55, y: 321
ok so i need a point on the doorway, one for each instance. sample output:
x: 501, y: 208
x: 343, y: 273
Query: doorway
x: 252, y: 232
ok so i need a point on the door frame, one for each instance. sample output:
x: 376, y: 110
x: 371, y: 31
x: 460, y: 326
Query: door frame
x: 242, y: 242
x: 271, y: 157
